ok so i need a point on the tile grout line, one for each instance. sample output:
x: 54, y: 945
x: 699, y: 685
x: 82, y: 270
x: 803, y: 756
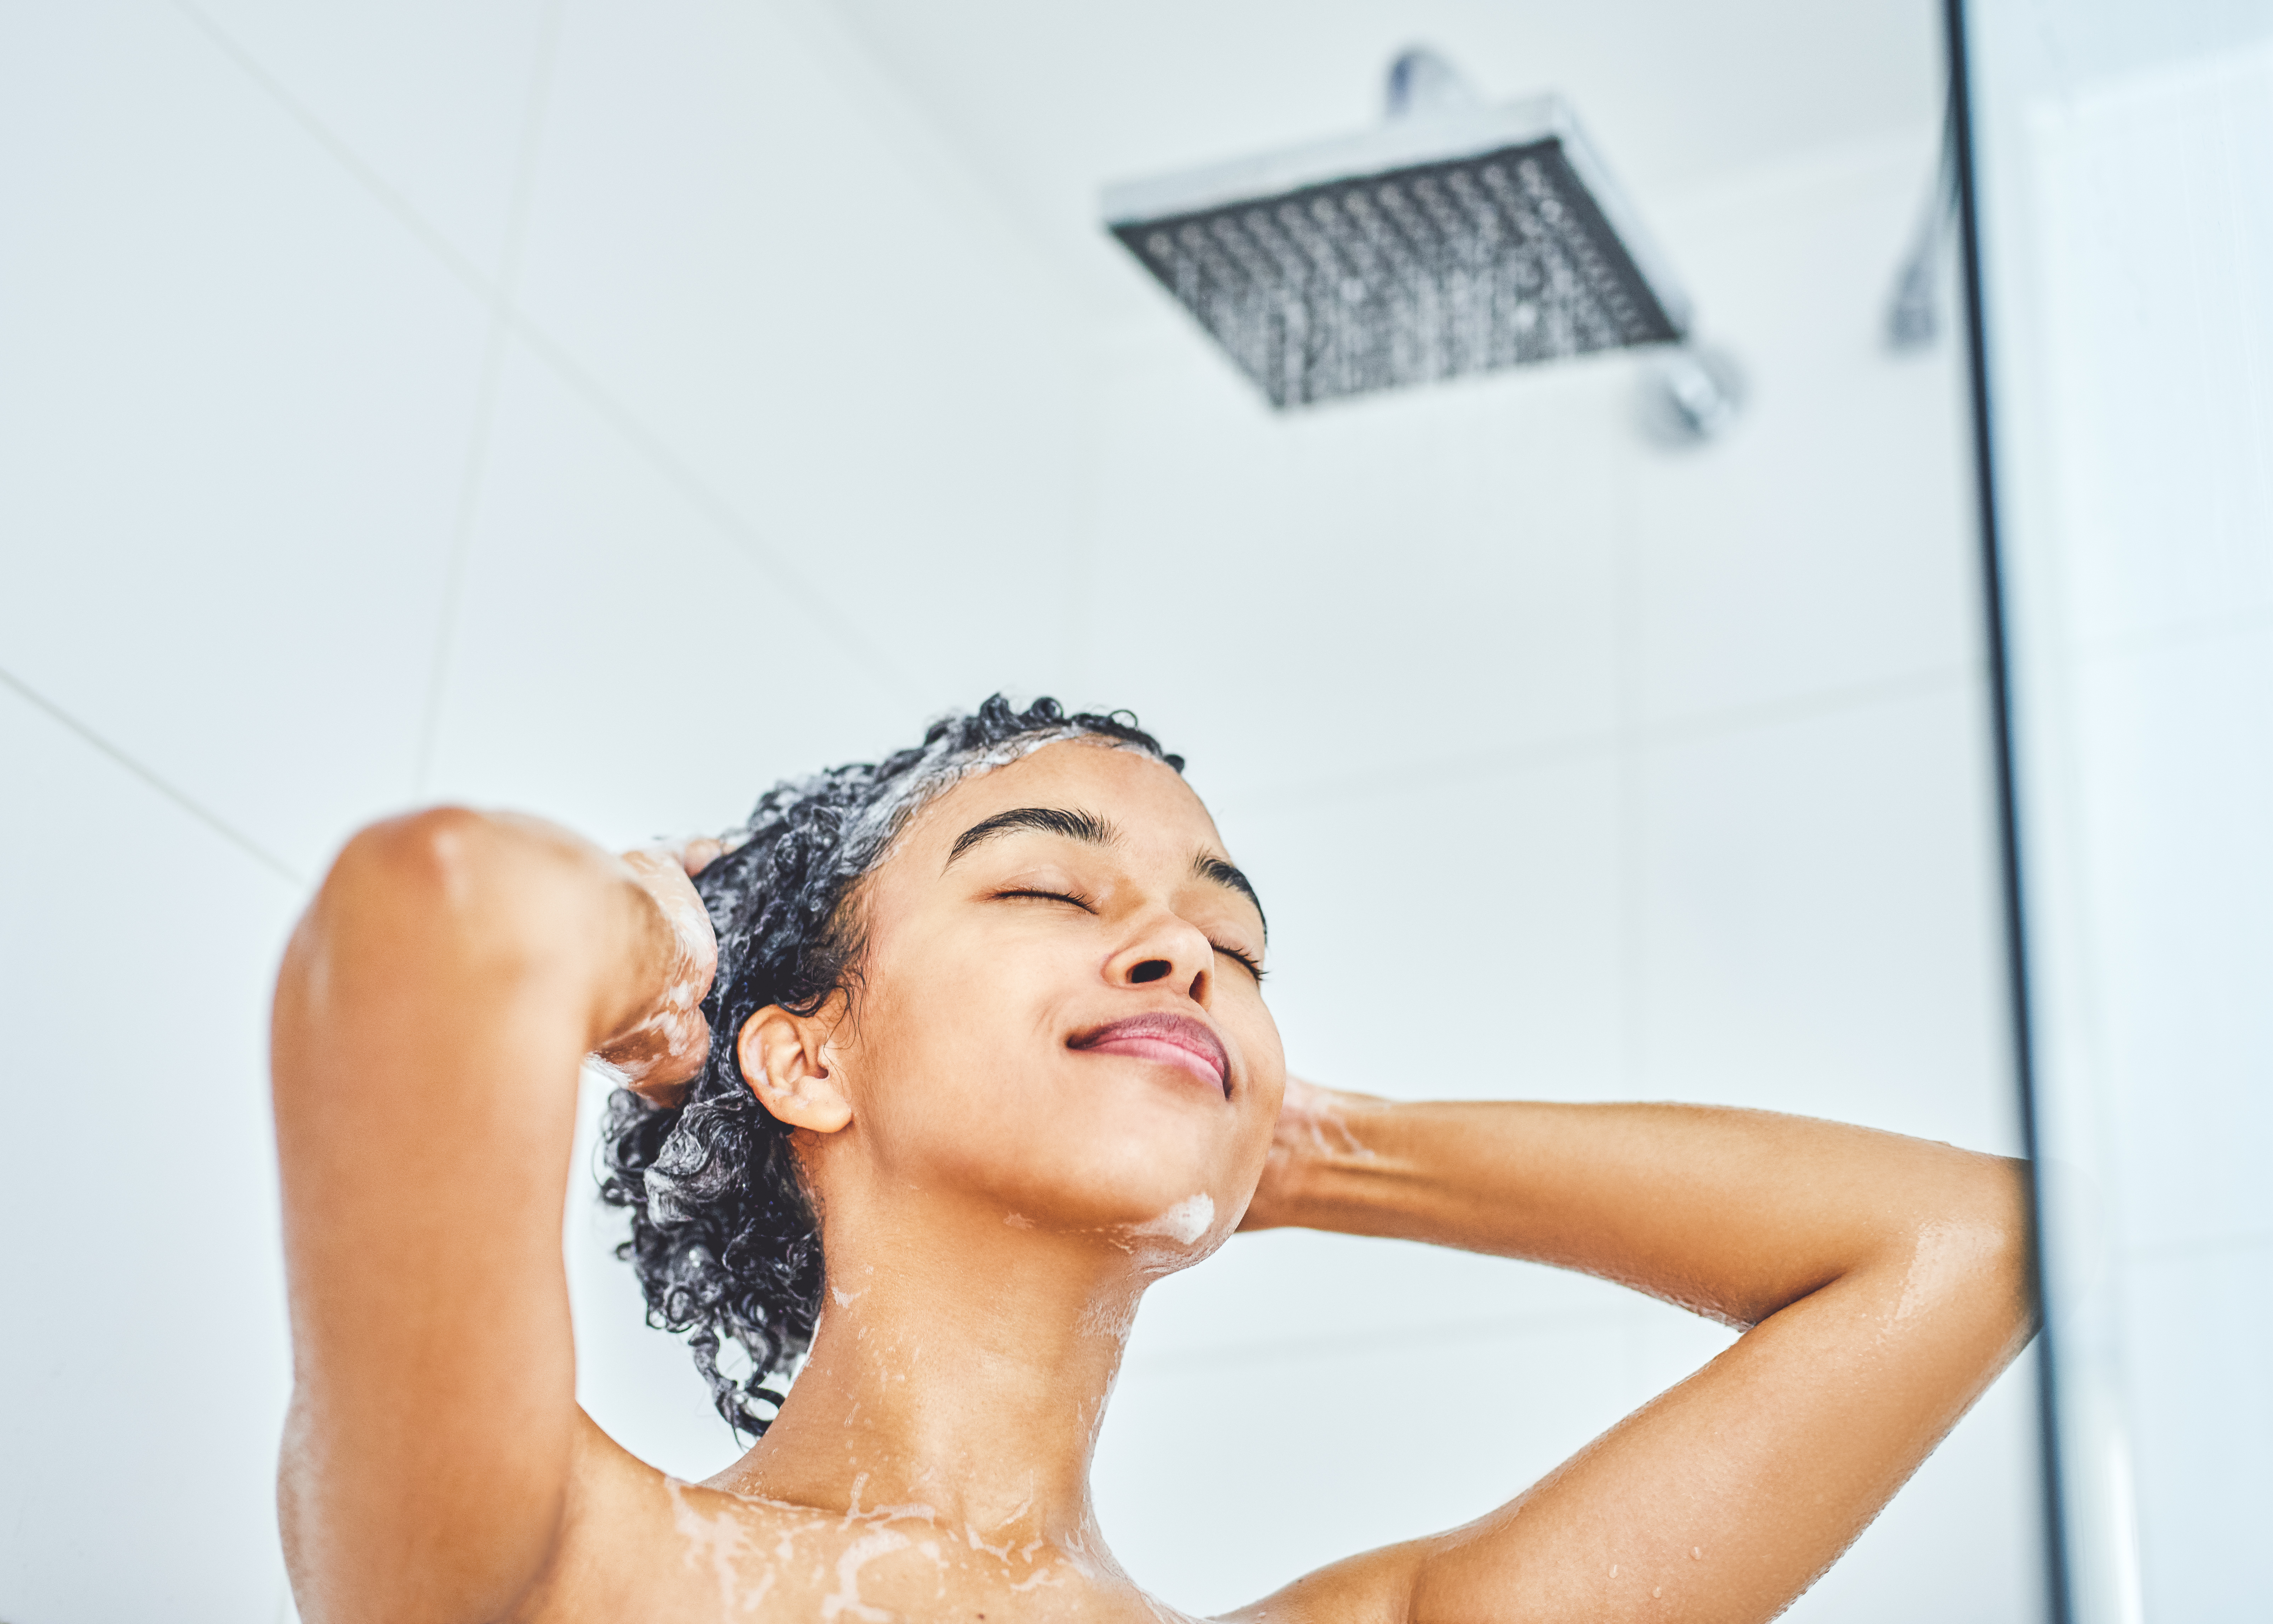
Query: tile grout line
x: 2184, y: 1250
x: 1086, y: 526
x: 475, y: 473
x: 340, y: 153
x: 212, y: 820
x: 2188, y: 633
x: 1632, y: 743
x: 739, y: 531
x: 453, y: 574
x: 1528, y: 757
x: 921, y: 150
x: 2256, y: 377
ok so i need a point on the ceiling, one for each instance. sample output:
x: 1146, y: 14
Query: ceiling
x: 1045, y: 102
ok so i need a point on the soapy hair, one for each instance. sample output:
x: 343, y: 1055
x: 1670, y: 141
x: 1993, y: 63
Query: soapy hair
x: 723, y: 1235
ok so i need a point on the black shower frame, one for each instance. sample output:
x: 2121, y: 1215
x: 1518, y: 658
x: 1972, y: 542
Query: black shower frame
x: 1997, y: 619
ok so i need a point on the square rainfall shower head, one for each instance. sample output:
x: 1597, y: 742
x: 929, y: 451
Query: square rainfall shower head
x: 1461, y: 241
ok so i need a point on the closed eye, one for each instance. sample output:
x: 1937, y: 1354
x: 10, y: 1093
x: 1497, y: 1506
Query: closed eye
x: 1082, y: 903
x: 1254, y: 965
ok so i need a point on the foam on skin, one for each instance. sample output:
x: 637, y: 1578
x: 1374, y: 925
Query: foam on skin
x: 1184, y: 1222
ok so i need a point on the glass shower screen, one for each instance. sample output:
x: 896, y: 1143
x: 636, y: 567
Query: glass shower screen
x: 2121, y: 170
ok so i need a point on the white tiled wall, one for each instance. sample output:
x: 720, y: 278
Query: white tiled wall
x: 144, y: 1356
x: 1593, y: 773
x: 237, y: 405
x: 605, y: 410
x: 2130, y: 216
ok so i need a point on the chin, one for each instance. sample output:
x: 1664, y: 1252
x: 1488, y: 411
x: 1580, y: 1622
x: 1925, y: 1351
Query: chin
x: 1152, y: 1182
x: 1103, y: 1152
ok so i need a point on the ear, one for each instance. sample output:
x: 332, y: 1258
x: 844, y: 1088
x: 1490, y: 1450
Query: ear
x: 783, y: 1060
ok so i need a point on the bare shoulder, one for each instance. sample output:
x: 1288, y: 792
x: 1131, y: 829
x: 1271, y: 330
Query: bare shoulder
x: 637, y: 1543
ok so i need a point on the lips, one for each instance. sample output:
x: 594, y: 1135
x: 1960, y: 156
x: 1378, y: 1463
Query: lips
x: 1165, y: 1040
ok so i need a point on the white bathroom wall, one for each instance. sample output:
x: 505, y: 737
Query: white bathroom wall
x: 2128, y: 223
x: 381, y: 385
x: 378, y: 386
x: 1568, y: 767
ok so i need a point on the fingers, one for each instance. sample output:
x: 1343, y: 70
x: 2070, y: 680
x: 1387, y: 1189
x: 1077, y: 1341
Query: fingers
x: 691, y: 854
x: 696, y: 852
x: 665, y: 1046
x: 663, y: 873
x: 654, y: 1088
x: 661, y: 1056
x: 1302, y: 1099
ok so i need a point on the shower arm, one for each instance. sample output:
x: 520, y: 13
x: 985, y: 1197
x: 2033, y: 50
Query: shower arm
x: 1913, y: 312
x: 1422, y: 82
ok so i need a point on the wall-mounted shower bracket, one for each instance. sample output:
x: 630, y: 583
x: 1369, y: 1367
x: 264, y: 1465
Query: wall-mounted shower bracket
x: 1689, y: 393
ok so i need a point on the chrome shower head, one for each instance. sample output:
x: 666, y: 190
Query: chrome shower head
x: 1455, y: 238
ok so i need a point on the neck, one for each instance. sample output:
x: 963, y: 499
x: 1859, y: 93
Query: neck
x: 959, y: 1367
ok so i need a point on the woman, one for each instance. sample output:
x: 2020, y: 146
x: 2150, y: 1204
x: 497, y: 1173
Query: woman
x: 990, y: 1015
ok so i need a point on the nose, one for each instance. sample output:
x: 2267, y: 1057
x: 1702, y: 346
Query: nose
x: 1165, y: 949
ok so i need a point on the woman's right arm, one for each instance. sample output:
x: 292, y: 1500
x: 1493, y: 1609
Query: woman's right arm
x: 434, y: 1006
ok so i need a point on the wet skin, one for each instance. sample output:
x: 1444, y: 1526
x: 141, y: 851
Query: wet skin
x: 1059, y: 1081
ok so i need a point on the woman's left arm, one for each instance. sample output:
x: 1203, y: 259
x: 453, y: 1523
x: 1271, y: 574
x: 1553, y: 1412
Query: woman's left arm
x: 1882, y: 1283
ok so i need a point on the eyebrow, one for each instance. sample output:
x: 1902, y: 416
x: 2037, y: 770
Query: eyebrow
x: 1208, y: 866
x: 1092, y: 830
x: 1075, y: 825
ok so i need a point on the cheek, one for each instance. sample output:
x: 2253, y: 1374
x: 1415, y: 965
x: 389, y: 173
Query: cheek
x: 1256, y: 1031
x: 951, y: 1052
x: 961, y: 1076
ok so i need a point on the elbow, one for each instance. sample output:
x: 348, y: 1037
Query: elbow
x: 434, y: 898
x: 2017, y: 1208
x: 447, y: 879
x: 1973, y: 1251
x: 2004, y: 1215
x: 436, y: 859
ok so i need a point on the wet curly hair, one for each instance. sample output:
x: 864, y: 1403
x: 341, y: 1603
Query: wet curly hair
x: 723, y: 1235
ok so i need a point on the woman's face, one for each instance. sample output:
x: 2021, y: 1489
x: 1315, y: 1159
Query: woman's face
x: 1060, y: 1014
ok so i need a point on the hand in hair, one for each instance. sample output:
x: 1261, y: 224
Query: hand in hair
x: 1313, y: 1124
x: 668, y: 1042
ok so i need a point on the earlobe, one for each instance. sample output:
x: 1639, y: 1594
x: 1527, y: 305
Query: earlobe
x: 781, y: 1060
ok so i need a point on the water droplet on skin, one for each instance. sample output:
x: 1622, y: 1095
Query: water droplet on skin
x: 1697, y: 1552
x: 1614, y: 1570
x: 1656, y: 1590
